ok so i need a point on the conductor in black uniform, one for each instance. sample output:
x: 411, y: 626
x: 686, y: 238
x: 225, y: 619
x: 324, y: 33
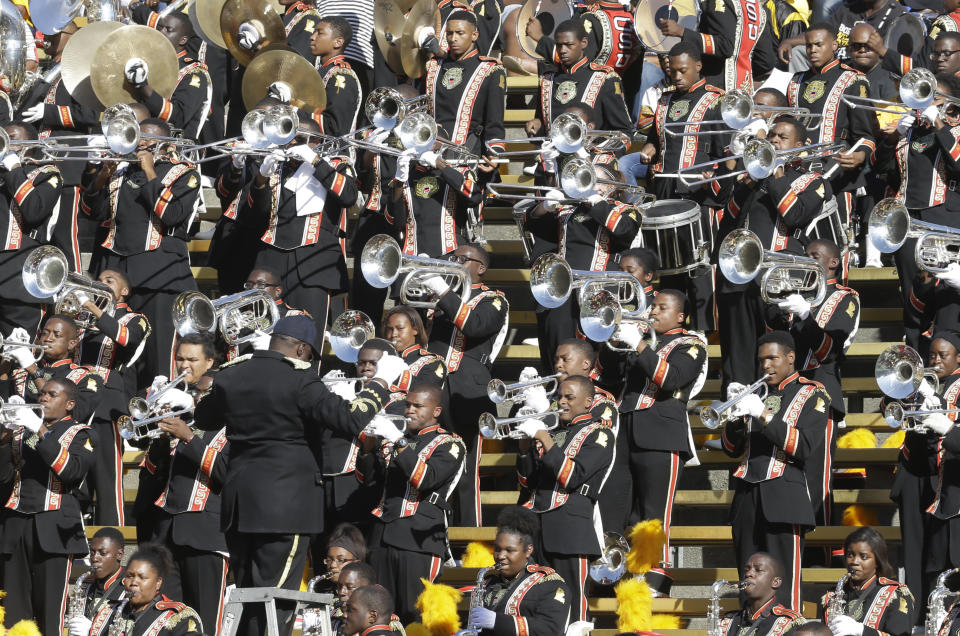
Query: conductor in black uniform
x: 270, y: 404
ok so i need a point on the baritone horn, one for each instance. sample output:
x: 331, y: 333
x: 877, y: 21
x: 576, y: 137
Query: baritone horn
x: 245, y: 315
x: 890, y: 225
x: 386, y: 107
x: 719, y: 413
x: 499, y: 391
x: 493, y: 427
x: 46, y: 275
x: 612, y: 564
x: 742, y: 258
x: 383, y: 262
x: 348, y: 333
x: 193, y: 312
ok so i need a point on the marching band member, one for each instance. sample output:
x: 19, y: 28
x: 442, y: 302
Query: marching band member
x: 150, y: 204
x: 417, y: 470
x: 564, y: 470
x: 771, y: 507
x: 345, y: 545
x: 874, y: 603
x: 300, y: 21
x: 368, y: 612
x: 268, y: 280
x: 270, y: 454
x: 518, y: 595
x: 761, y: 614
x: 146, y: 611
x: 111, y: 349
x: 612, y: 40
x: 403, y: 328
x: 42, y: 460
x: 352, y: 577
x: 943, y: 57
x: 653, y: 405
x: 189, y: 105
x: 468, y: 336
x: 641, y: 263
x: 104, y: 587
x: 28, y: 199
x: 331, y: 36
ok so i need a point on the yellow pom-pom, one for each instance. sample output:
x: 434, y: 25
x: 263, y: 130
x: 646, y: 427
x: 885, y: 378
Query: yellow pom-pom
x: 478, y: 555
x: 664, y: 621
x: 438, y: 608
x: 24, y: 628
x: 857, y: 515
x: 858, y: 438
x: 634, y: 605
x: 417, y: 629
x: 895, y: 440
x: 646, y: 546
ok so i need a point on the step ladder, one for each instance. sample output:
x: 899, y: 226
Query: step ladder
x: 314, y: 606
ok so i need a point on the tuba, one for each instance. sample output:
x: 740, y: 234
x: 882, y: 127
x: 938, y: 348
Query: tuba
x: 348, y: 333
x: 719, y: 413
x: 46, y: 275
x: 718, y: 589
x: 890, y: 225
x: 936, y: 607
x: 742, y: 258
x: 383, y: 262
x: 611, y: 565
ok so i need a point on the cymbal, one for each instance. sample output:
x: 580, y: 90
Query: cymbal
x: 125, y: 43
x: 388, y: 20
x: 78, y: 56
x: 205, y: 16
x: 258, y: 13
x: 412, y: 57
x: 647, y: 16
x: 306, y: 85
x: 559, y: 9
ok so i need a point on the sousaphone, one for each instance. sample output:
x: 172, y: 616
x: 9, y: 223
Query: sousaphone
x: 647, y: 16
x: 124, y: 44
x: 261, y: 15
x: 78, y: 56
x: 306, y: 86
x: 560, y: 10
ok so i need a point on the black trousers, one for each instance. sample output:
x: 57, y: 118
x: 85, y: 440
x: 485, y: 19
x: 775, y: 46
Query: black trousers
x: 158, y: 352
x: 654, y: 475
x: 699, y: 291
x: 913, y: 494
x: 200, y: 582
x: 460, y: 415
x: 267, y: 560
x: 36, y: 582
x: 400, y: 572
x: 554, y: 326
x: 297, y: 293
x: 106, y: 475
x: 574, y: 568
x: 233, y: 251
x: 66, y: 229
x: 941, y: 546
x: 752, y: 533
x: 913, y: 309
x: 614, y: 498
x: 740, y: 314
x: 364, y: 296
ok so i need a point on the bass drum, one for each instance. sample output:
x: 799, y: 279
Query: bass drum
x: 647, y: 16
x: 906, y: 35
x: 673, y: 228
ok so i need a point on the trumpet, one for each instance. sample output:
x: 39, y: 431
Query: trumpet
x: 386, y: 107
x: 909, y: 419
x: 492, y: 427
x: 46, y: 275
x: 499, y: 391
x: 147, y: 428
x: 340, y: 377
x: 348, y: 333
x: 736, y: 111
x: 719, y: 413
x: 890, y: 225
x: 8, y: 412
x: 142, y: 408
x: 918, y: 88
x: 400, y: 421
x: 742, y: 258
x: 568, y: 134
x: 899, y: 372
x: 382, y: 262
x: 16, y: 343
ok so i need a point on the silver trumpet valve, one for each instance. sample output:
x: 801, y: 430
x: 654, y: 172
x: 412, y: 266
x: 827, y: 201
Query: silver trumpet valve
x: 492, y: 427
x: 499, y: 391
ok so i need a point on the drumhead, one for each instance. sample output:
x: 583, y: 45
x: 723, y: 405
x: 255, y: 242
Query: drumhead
x: 668, y: 213
x: 906, y: 35
x: 560, y: 10
x: 647, y: 16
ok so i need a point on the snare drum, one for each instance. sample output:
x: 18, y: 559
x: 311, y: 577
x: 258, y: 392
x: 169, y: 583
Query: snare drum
x: 673, y: 228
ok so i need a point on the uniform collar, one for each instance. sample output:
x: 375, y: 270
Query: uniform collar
x: 110, y: 580
x: 60, y: 363
x: 296, y: 6
x: 477, y: 286
x: 866, y: 584
x: 334, y: 60
x: 763, y: 611
x: 648, y: 289
x: 474, y: 52
x: 578, y: 65
x: 787, y: 380
x: 828, y: 66
x: 699, y: 84
x: 411, y: 349
x: 429, y: 429
x: 122, y: 306
x: 374, y: 628
x: 583, y: 418
x: 831, y: 281
x: 673, y: 331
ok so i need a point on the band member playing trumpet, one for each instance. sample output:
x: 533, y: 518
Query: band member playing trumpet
x: 468, y: 336
x: 761, y: 614
x: 659, y: 382
x: 332, y: 35
x: 403, y: 328
x: 519, y: 596
x: 417, y: 470
x: 778, y: 437
x: 28, y: 196
x: 104, y: 585
x: 150, y: 204
x: 564, y: 471
x: 872, y: 602
x: 42, y: 460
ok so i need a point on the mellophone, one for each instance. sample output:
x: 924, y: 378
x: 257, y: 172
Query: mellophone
x: 899, y: 372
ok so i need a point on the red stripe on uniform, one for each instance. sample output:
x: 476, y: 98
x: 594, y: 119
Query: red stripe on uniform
x: 166, y: 111
x: 708, y: 48
x: 790, y: 443
x: 786, y: 202
x: 566, y: 469
x: 418, y: 472
x: 825, y: 347
x: 338, y: 182
x: 668, y: 510
x: 612, y: 219
x: 65, y: 117
x: 461, y: 318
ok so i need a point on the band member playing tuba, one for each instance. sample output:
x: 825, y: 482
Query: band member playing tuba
x: 761, y: 614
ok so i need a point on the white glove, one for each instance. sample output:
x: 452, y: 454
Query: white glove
x: 482, y: 617
x: 750, y: 406
x: 381, y: 427
x: 549, y: 155
x: 34, y: 113
x: 595, y: 199
x: 80, y: 626
x: 951, y: 276
x: 926, y: 389
x: 158, y: 383
x: 378, y: 136
x: 535, y: 398
x: 343, y: 389
x: 403, y: 165
x: 247, y: 36
x: 734, y: 389
x: 280, y: 91
x: 176, y: 399
x: 845, y: 626
x: 20, y: 335
x: 938, y: 423
x: 10, y: 161
x: 28, y: 420
x: 929, y: 115
x: 905, y: 123
x: 304, y: 153
x: 82, y: 298
x: 239, y: 160
x: 629, y: 334
x: 436, y: 284
x: 270, y: 163
x: 261, y: 342
x: 23, y: 356
x: 582, y: 153
x: 425, y: 34
x: 930, y: 403
x: 529, y: 373
x: 390, y: 368
x: 795, y: 304
x: 430, y: 158
x: 136, y: 70
x: 553, y: 200
x: 530, y: 427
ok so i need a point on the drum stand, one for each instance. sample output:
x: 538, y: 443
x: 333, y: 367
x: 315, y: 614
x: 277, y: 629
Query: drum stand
x: 269, y: 596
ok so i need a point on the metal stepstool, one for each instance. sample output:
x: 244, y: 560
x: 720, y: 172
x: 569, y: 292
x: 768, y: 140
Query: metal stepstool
x: 319, y: 604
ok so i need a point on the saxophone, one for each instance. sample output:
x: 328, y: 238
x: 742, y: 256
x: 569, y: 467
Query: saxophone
x: 78, y: 599
x: 118, y: 625
x: 936, y: 608
x: 837, y: 606
x: 476, y: 600
x: 718, y: 589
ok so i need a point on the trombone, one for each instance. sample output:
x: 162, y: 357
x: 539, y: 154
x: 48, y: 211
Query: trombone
x: 890, y: 225
x: 742, y: 258
x: 736, y: 111
x: 719, y: 413
x: 46, y: 275
x: 348, y: 333
x: 578, y: 181
x: 382, y: 262
x: 493, y: 427
x: 499, y: 391
x: 918, y: 88
x: 568, y: 134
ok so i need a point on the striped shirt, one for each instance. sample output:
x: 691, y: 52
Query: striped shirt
x: 359, y: 13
